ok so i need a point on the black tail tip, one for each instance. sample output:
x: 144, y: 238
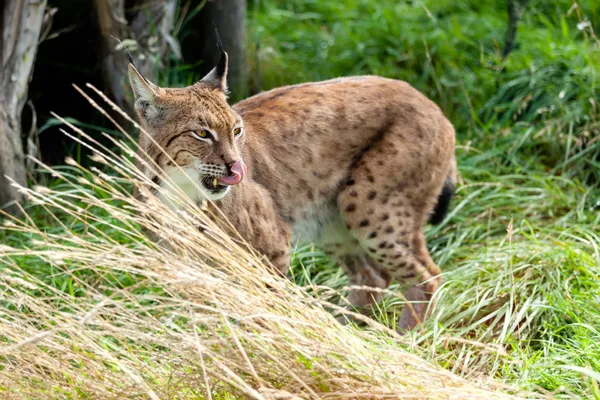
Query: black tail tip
x: 443, y: 204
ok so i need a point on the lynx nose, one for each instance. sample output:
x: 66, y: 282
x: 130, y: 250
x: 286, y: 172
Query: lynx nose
x: 236, y: 172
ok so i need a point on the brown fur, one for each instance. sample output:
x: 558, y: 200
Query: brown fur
x: 354, y: 165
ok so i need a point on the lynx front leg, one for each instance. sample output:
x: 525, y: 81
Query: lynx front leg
x: 257, y: 221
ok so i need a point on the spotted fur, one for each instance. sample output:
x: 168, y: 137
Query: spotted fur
x: 354, y: 165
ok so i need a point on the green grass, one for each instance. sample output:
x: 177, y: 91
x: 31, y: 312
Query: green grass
x: 521, y: 248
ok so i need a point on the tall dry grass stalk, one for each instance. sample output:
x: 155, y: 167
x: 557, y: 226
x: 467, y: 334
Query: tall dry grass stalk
x: 196, y: 317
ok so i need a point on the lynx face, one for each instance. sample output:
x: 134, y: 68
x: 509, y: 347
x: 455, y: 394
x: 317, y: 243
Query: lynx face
x: 201, y: 135
x: 206, y: 146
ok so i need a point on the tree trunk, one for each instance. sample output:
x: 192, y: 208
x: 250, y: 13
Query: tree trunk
x: 21, y: 23
x: 230, y: 18
x: 145, y: 27
x: 112, y: 22
x: 515, y: 12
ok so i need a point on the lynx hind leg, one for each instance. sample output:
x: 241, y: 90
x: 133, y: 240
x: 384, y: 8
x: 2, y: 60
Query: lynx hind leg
x: 344, y: 249
x: 386, y: 213
x: 367, y: 274
x: 362, y: 274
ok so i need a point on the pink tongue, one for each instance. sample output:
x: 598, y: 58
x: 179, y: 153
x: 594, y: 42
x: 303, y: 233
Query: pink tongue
x: 238, y: 171
x: 230, y: 180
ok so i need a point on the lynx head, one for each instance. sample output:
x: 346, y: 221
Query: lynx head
x: 201, y: 135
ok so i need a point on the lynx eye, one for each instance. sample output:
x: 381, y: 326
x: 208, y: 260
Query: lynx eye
x: 202, y: 134
x: 237, y: 131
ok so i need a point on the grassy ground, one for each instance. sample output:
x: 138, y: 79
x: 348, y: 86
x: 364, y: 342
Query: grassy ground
x: 521, y: 300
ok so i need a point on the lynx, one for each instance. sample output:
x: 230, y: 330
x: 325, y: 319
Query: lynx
x: 356, y: 165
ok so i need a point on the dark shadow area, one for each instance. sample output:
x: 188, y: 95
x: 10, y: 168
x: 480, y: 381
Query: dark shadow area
x: 68, y: 56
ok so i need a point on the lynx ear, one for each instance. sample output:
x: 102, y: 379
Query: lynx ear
x: 218, y: 75
x: 145, y: 93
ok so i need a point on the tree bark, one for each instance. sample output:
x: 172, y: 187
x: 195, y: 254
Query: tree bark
x: 112, y: 22
x: 230, y: 18
x: 145, y: 27
x: 515, y: 12
x: 21, y: 23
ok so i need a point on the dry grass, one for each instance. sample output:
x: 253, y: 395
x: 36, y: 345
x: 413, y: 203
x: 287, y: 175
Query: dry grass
x: 199, y: 317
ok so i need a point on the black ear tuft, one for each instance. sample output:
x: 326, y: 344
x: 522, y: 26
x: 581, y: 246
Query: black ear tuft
x: 217, y: 77
x: 222, y: 65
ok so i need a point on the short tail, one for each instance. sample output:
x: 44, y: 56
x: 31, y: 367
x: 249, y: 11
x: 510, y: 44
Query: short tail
x: 443, y: 204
